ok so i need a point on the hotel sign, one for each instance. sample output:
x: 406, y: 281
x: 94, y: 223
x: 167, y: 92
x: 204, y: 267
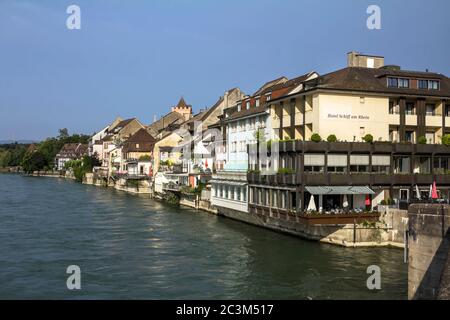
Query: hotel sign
x: 346, y: 116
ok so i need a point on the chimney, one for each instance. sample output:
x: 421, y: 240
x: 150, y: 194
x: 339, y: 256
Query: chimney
x: 356, y: 59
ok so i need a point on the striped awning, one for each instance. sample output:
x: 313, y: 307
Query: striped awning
x: 339, y: 190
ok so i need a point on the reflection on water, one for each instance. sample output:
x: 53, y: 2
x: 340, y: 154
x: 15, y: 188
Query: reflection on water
x: 130, y: 246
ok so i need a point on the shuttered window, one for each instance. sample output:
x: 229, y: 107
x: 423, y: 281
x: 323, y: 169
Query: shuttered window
x: 380, y: 160
x: 362, y: 159
x: 314, y: 159
x: 337, y: 160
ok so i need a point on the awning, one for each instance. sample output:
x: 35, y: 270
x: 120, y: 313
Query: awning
x: 339, y: 190
x: 228, y: 182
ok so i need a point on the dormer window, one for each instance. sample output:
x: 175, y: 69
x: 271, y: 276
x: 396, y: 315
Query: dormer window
x: 392, y: 82
x: 268, y: 97
x: 403, y: 83
x: 257, y: 102
x: 247, y: 105
x: 433, y: 85
x: 398, y: 83
x: 423, y: 84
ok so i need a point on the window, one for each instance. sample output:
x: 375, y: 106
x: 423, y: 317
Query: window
x: 268, y: 97
x: 433, y: 85
x: 137, y: 145
x: 359, y: 163
x: 423, y: 84
x: 409, y: 136
x: 314, y: 162
x: 431, y: 110
x: 393, y: 135
x: 393, y: 107
x: 362, y: 100
x: 410, y: 108
x: 441, y: 165
x: 430, y: 137
x: 423, y: 165
x: 403, y: 83
x: 257, y: 102
x: 247, y: 105
x: 447, y: 110
x: 337, y: 163
x: 381, y: 164
x: 392, y: 82
x: 402, y: 164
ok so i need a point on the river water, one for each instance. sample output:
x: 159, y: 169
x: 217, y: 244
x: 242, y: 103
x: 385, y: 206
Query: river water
x: 131, y: 247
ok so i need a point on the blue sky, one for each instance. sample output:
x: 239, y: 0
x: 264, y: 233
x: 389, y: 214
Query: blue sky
x: 136, y: 58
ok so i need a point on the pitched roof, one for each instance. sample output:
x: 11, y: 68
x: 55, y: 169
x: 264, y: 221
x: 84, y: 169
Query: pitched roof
x: 281, y: 86
x: 167, y: 120
x: 141, y: 136
x: 73, y: 150
x: 374, y: 80
x: 141, y: 141
x: 269, y: 84
x: 247, y: 112
x: 183, y: 104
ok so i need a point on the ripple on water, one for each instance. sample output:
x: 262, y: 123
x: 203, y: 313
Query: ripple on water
x: 132, y: 247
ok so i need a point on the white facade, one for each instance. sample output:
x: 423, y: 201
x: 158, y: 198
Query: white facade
x: 230, y: 190
x: 97, y: 148
x: 241, y: 133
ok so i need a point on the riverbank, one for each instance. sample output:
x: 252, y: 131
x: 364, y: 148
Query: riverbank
x: 387, y: 231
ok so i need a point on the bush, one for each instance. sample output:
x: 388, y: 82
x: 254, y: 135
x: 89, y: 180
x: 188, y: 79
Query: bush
x: 316, y: 137
x: 286, y: 171
x: 332, y: 138
x: 446, y: 139
x: 368, y: 138
x: 383, y: 202
x: 422, y: 140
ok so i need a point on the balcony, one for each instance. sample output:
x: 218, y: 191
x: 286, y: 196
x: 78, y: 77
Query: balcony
x: 403, y: 147
x: 425, y: 148
x: 339, y: 179
x: 433, y: 121
x: 382, y: 147
x: 362, y: 147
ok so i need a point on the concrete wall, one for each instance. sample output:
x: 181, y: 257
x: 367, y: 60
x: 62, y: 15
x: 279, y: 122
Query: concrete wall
x: 428, y: 251
x: 344, y: 235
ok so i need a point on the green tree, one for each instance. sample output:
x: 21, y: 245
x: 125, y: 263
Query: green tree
x: 33, y: 162
x: 63, y: 133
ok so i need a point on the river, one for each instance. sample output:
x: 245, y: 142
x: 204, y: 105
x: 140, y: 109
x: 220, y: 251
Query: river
x: 132, y: 247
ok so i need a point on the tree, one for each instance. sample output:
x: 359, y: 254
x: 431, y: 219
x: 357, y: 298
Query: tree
x: 63, y: 133
x: 5, y: 158
x: 34, y: 161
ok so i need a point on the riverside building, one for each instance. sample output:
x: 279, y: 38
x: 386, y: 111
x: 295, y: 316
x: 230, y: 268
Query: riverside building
x: 406, y: 112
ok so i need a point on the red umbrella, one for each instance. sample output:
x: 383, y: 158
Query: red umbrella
x: 434, y: 194
x: 367, y: 202
x: 206, y: 163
